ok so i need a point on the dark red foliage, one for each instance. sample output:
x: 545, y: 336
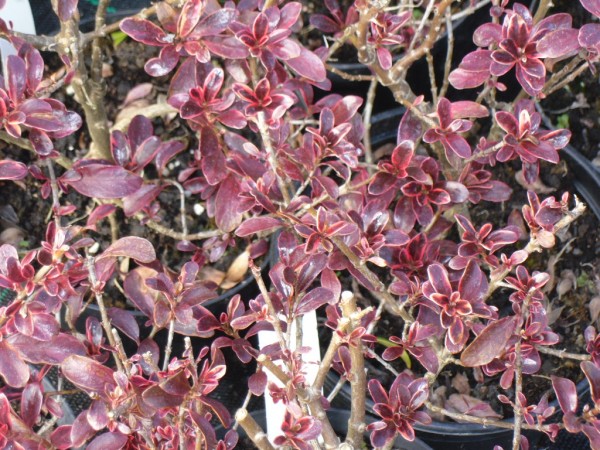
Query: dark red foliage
x: 246, y: 139
x: 399, y: 410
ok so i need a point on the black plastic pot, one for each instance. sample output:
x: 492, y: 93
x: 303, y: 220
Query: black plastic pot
x: 339, y: 421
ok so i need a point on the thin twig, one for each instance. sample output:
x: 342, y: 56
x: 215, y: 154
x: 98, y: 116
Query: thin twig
x: 267, y: 298
x: 55, y: 192
x: 358, y: 382
x: 96, y: 66
x: 169, y: 346
x: 184, y: 227
x: 176, y: 234
x: 485, y: 422
x: 562, y: 353
x: 449, y: 54
x: 103, y: 314
x: 349, y: 76
x: 253, y: 430
x: 367, y: 113
x: 432, y: 80
x: 26, y: 145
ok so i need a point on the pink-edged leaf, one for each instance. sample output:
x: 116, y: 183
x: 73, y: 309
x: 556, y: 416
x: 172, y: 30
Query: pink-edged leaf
x: 65, y: 9
x: 566, y: 394
x: 592, y: 373
x: 53, y: 351
x: 143, y: 30
x: 227, y: 201
x: 308, y: 65
x: 473, y: 71
x: 99, y: 213
x: 177, y: 384
x: 166, y: 152
x: 151, y: 347
x: 257, y: 383
x: 489, y: 344
x: 465, y: 404
x: 189, y: 17
x: 164, y: 63
x: 458, y: 145
x: 12, y: 170
x: 257, y: 225
x: 592, y: 6
x: 97, y: 415
x: 138, y: 92
x: 132, y: 247
x: 102, y: 181
x: 409, y: 129
x: 213, y: 160
x: 125, y: 321
x: 558, y: 43
x: 140, y: 199
x: 31, y: 403
x: 61, y: 437
x: 13, y: 369
x: 87, y: 374
x: 466, y: 109
x: 158, y: 398
x: 138, y: 292
x: 108, y: 441
x: 487, y: 34
x: 313, y: 300
x: 589, y: 35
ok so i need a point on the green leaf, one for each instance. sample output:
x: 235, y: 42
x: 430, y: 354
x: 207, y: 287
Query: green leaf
x: 118, y: 37
x: 389, y: 344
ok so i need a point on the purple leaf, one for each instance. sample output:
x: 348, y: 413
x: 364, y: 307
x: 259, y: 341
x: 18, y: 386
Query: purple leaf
x: 31, y: 403
x: 12, y: 170
x: 489, y: 344
x: 132, y: 247
x: 558, y: 43
x: 158, y: 398
x: 166, y: 152
x: 66, y: 8
x: 473, y: 71
x: 465, y: 404
x: 140, y: 199
x: 143, y: 30
x: 97, y: 415
x: 257, y: 225
x: 87, y: 374
x: 99, y: 213
x: 125, y: 321
x: 592, y: 6
x: 257, y: 383
x: 164, y: 63
x: 102, y: 181
x: 592, y: 373
x: 589, y: 35
x: 227, y: 200
x: 308, y: 65
x: 53, y: 351
x: 466, y: 109
x: 12, y: 367
x: 566, y: 394
x: 313, y: 300
x: 108, y: 441
x: 138, y: 292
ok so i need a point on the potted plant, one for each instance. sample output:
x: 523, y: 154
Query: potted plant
x: 165, y: 181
